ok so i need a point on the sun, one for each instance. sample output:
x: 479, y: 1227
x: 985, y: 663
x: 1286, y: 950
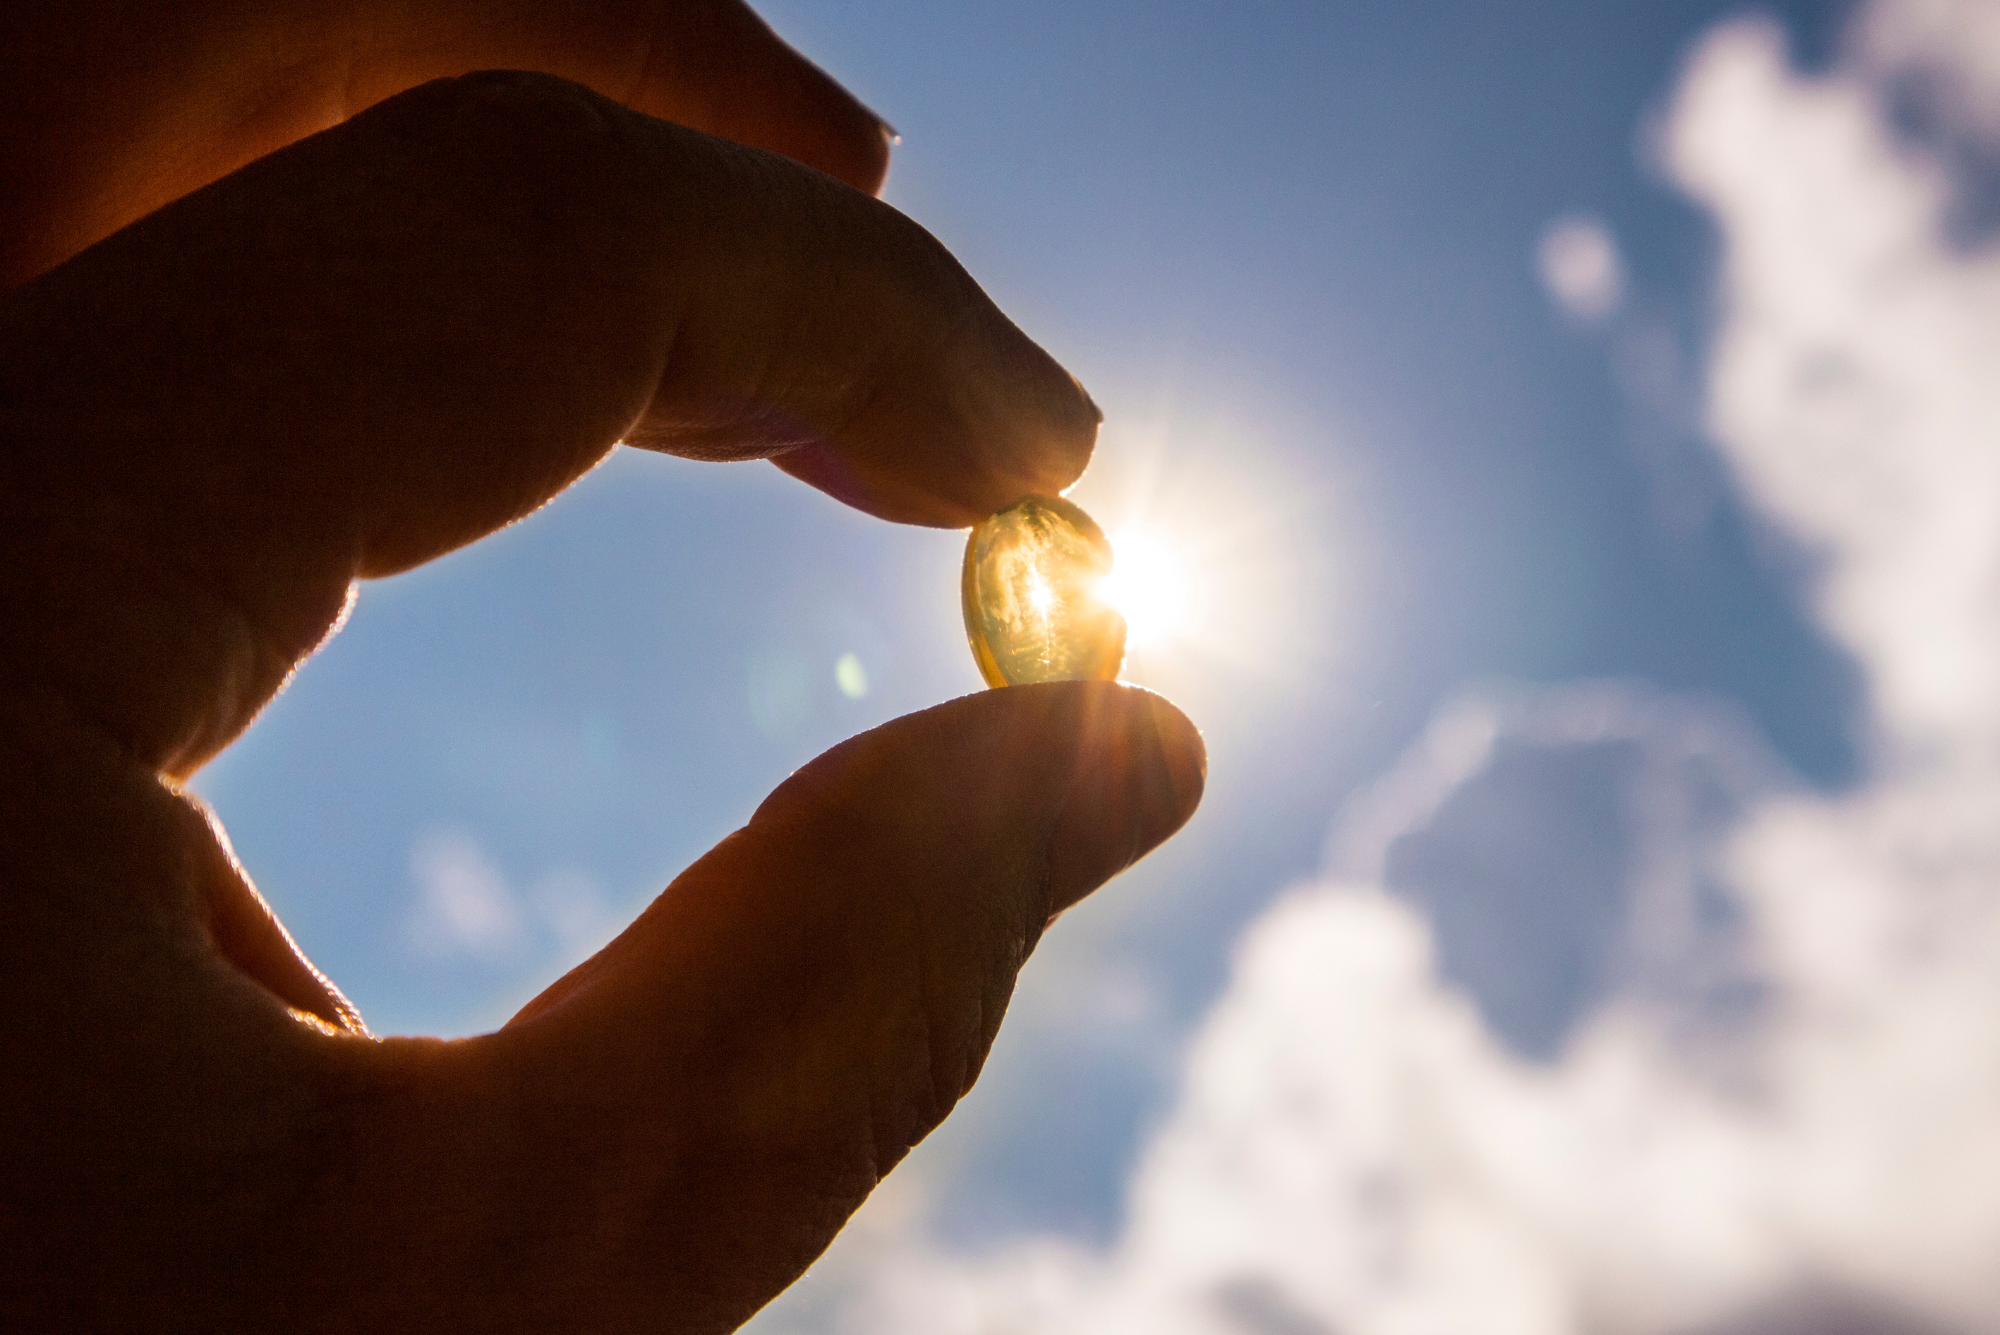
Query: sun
x: 1150, y: 585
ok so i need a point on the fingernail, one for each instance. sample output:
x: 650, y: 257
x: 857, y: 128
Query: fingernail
x: 1144, y: 768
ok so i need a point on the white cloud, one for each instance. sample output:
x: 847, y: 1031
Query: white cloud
x: 1855, y: 389
x: 1950, y: 46
x: 1753, y: 1082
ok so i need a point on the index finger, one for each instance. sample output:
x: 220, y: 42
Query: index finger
x: 388, y: 340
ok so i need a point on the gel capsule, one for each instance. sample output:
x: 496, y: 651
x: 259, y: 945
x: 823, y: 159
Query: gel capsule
x: 1030, y: 591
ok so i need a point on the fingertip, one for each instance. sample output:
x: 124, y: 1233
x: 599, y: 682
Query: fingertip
x: 845, y: 140
x: 1142, y: 777
x: 1043, y: 421
x: 872, y: 167
x: 1096, y: 413
x: 832, y: 130
x: 1184, y: 752
x: 1040, y: 424
x: 1096, y: 773
x: 726, y: 72
x: 959, y: 432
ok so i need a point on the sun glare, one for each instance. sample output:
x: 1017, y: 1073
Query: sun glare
x: 1149, y: 585
x: 1221, y: 561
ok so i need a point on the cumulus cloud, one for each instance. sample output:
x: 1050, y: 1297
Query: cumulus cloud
x: 1770, y: 1103
x: 1944, y: 52
x: 1855, y: 390
x: 1598, y: 1024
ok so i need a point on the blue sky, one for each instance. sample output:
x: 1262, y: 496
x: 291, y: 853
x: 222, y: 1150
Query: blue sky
x: 1293, y: 251
x: 1309, y: 229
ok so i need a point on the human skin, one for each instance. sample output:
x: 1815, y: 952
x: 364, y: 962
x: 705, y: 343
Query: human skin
x: 293, y: 306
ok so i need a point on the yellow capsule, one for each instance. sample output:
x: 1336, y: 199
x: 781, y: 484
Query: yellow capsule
x: 1030, y: 592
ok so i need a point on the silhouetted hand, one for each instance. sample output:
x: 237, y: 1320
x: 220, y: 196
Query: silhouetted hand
x: 348, y: 355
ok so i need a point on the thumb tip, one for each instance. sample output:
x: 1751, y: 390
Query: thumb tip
x: 1183, y: 756
x: 1141, y: 783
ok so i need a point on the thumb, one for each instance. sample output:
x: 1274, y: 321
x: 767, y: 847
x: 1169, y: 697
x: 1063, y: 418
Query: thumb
x: 740, y: 1068
x: 664, y: 1140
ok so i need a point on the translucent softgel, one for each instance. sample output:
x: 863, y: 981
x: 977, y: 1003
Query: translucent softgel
x: 1030, y: 590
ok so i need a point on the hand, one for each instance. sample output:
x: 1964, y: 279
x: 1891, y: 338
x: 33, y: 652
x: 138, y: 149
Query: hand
x: 356, y: 353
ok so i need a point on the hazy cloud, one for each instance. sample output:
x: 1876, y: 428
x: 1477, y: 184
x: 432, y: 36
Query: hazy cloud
x: 1580, y: 267
x: 465, y: 907
x: 573, y: 909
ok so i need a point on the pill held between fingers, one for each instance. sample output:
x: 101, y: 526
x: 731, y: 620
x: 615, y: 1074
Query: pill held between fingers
x: 1030, y: 592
